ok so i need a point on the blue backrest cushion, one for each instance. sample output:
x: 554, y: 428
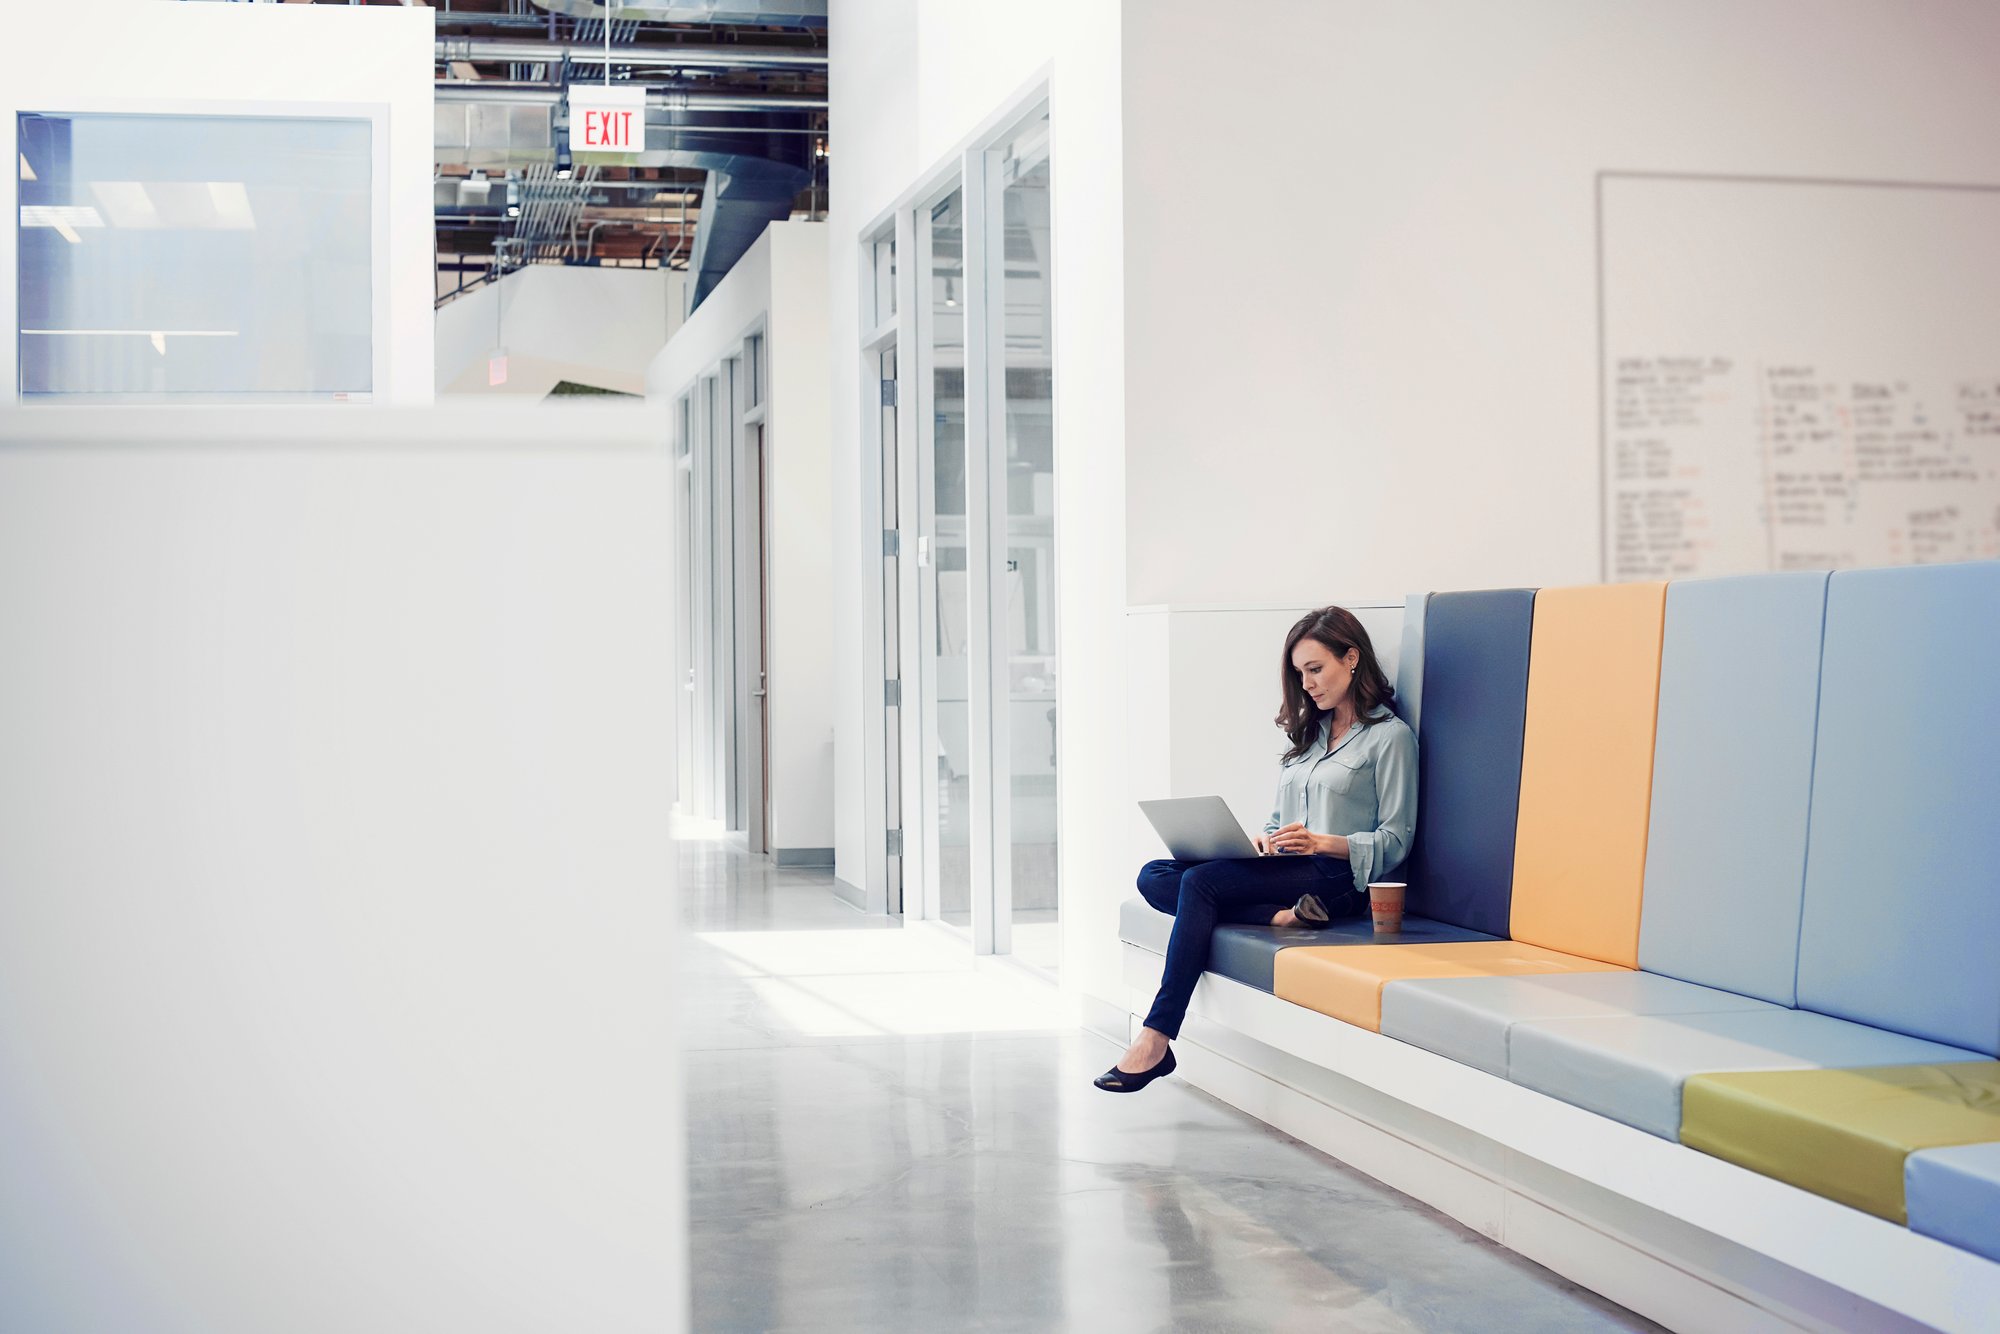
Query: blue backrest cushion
x: 1732, y: 782
x: 1901, y: 925
x: 1475, y: 702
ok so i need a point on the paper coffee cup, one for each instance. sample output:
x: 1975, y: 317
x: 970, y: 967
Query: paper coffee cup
x: 1385, y: 905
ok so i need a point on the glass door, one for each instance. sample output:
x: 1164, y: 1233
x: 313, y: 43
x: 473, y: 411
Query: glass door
x: 979, y: 655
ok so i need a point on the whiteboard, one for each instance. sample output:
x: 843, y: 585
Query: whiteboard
x: 1797, y: 374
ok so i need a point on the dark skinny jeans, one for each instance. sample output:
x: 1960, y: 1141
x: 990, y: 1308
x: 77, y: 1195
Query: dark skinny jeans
x: 1247, y: 891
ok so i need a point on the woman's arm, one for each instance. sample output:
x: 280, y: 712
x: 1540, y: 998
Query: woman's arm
x: 1373, y: 853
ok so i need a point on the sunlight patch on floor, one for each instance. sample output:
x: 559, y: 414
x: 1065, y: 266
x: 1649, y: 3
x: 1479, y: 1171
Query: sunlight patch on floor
x: 886, y: 983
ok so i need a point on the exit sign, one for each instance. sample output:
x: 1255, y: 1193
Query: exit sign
x: 606, y: 120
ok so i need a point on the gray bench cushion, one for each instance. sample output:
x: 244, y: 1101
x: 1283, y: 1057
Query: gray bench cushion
x: 1469, y: 1018
x: 1631, y: 1070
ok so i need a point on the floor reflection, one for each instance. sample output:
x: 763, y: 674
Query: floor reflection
x: 914, y: 1145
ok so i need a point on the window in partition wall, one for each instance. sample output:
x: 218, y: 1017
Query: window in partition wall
x: 165, y: 257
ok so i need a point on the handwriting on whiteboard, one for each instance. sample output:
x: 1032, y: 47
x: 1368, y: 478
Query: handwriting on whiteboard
x: 1721, y: 465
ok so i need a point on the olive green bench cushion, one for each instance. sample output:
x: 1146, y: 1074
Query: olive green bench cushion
x: 1843, y: 1134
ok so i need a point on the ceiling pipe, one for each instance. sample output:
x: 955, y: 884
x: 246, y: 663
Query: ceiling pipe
x: 765, y: 13
x: 530, y: 96
x: 650, y: 57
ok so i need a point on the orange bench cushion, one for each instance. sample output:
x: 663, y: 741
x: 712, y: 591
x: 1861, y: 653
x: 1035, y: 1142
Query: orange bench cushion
x: 1346, y: 981
x: 1587, y: 769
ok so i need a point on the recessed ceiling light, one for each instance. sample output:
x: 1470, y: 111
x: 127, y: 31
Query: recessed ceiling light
x: 232, y: 206
x: 64, y: 218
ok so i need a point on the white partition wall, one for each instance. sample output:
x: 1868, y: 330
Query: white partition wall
x: 141, y: 57
x: 743, y: 385
x: 336, y: 923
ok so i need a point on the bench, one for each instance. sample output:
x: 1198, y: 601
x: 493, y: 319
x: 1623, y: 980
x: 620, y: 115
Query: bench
x: 1707, y: 875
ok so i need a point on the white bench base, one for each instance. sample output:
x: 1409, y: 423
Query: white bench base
x: 1685, y: 1239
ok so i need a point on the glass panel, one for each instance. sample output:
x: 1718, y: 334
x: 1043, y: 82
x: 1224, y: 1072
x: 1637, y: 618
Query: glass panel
x: 946, y: 571
x: 1028, y: 597
x: 883, y: 267
x: 163, y: 256
x: 892, y: 742
x: 684, y: 609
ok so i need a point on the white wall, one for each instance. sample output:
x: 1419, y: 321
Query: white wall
x: 872, y: 141
x: 1369, y: 362
x: 146, y: 54
x: 913, y: 81
x: 1389, y: 378
x: 332, y: 858
x: 781, y: 284
x: 594, y: 325
x: 799, y: 442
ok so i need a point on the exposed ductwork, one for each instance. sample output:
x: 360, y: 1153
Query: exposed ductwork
x: 484, y: 92
x: 751, y: 182
x: 756, y: 148
x: 739, y: 203
x: 637, y: 57
x: 761, y: 13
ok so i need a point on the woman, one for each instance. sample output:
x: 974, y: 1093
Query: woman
x: 1347, y: 805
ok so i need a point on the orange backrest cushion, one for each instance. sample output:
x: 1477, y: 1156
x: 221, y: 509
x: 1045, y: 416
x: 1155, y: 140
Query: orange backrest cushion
x: 1587, y: 769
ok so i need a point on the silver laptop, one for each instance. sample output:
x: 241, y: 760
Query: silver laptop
x: 1198, y: 829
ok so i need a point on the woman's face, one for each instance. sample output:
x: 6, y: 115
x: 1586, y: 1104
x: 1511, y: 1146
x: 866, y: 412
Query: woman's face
x: 1325, y: 675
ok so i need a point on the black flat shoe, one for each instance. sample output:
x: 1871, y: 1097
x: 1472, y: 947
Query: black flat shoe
x: 1115, y: 1080
x: 1311, y: 912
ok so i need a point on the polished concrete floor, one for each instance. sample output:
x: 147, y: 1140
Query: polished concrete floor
x: 885, y: 1137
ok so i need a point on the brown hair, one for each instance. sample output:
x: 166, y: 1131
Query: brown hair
x: 1336, y: 627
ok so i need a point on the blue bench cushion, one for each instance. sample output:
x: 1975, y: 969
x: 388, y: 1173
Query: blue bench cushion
x: 1732, y: 780
x: 1631, y: 1069
x: 1954, y: 1195
x: 1475, y: 703
x: 1469, y: 1018
x: 1901, y: 926
x: 1248, y: 954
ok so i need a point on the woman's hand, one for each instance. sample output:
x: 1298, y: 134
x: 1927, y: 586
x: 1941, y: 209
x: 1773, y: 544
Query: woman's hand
x: 1296, y: 839
x: 1262, y: 843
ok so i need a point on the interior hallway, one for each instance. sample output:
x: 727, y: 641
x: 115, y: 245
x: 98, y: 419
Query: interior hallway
x: 883, y: 1136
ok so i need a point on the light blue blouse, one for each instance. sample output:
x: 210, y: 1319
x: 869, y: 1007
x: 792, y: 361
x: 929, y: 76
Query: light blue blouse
x: 1364, y: 788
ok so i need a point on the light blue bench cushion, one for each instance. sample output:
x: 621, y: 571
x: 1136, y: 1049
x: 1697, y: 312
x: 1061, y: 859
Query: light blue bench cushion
x: 1732, y: 781
x: 1901, y: 926
x: 1954, y: 1195
x: 1475, y: 707
x: 1631, y: 1070
x: 1248, y: 954
x: 1141, y: 924
x: 1469, y: 1018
